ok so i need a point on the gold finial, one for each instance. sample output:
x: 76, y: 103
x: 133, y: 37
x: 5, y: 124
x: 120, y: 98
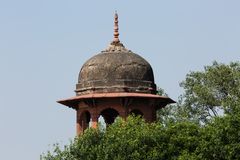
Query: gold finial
x: 116, y: 34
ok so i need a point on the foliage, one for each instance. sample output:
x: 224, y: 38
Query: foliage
x: 131, y: 139
x: 83, y: 147
x: 134, y: 139
x: 216, y: 88
x: 221, y: 139
x: 207, y: 94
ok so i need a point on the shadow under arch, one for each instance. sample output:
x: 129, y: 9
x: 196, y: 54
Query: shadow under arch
x: 136, y: 112
x: 109, y: 115
x: 85, y: 120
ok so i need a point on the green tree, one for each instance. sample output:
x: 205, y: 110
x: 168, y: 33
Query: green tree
x: 207, y: 93
x: 132, y: 139
x: 220, y: 139
x: 216, y: 88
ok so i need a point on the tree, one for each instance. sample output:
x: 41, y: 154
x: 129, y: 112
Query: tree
x: 130, y: 140
x: 208, y: 93
x: 134, y: 139
x: 220, y: 139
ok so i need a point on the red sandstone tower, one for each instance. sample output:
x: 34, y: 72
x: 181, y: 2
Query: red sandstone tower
x: 115, y: 82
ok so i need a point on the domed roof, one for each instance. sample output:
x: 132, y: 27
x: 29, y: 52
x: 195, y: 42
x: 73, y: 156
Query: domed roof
x: 116, y: 69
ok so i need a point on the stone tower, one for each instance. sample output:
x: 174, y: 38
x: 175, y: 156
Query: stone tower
x: 115, y: 82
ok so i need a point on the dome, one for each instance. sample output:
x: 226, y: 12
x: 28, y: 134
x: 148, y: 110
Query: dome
x: 116, y: 70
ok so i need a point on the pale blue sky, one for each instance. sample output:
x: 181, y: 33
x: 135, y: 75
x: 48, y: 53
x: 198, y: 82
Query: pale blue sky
x: 43, y: 45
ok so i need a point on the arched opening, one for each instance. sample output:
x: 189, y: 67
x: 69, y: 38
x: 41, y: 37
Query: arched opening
x: 109, y: 115
x: 136, y: 112
x: 85, y: 120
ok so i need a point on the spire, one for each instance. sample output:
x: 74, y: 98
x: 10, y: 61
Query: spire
x: 116, y: 45
x: 116, y: 34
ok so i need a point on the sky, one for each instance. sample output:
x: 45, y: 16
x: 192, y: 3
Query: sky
x: 43, y: 45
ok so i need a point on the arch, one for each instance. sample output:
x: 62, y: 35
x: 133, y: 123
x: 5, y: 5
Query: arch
x: 136, y: 112
x: 85, y: 119
x: 109, y: 115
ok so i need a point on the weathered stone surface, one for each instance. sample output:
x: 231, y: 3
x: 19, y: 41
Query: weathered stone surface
x: 116, y: 70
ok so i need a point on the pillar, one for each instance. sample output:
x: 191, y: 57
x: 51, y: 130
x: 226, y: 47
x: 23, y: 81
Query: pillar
x: 94, y: 120
x: 123, y: 113
x: 78, y: 125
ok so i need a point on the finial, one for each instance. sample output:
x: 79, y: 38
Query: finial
x: 116, y: 45
x: 116, y: 34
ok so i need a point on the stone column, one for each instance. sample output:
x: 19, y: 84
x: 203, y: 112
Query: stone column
x: 154, y: 114
x: 150, y: 115
x: 78, y: 123
x: 123, y: 113
x: 94, y: 120
x: 147, y: 113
